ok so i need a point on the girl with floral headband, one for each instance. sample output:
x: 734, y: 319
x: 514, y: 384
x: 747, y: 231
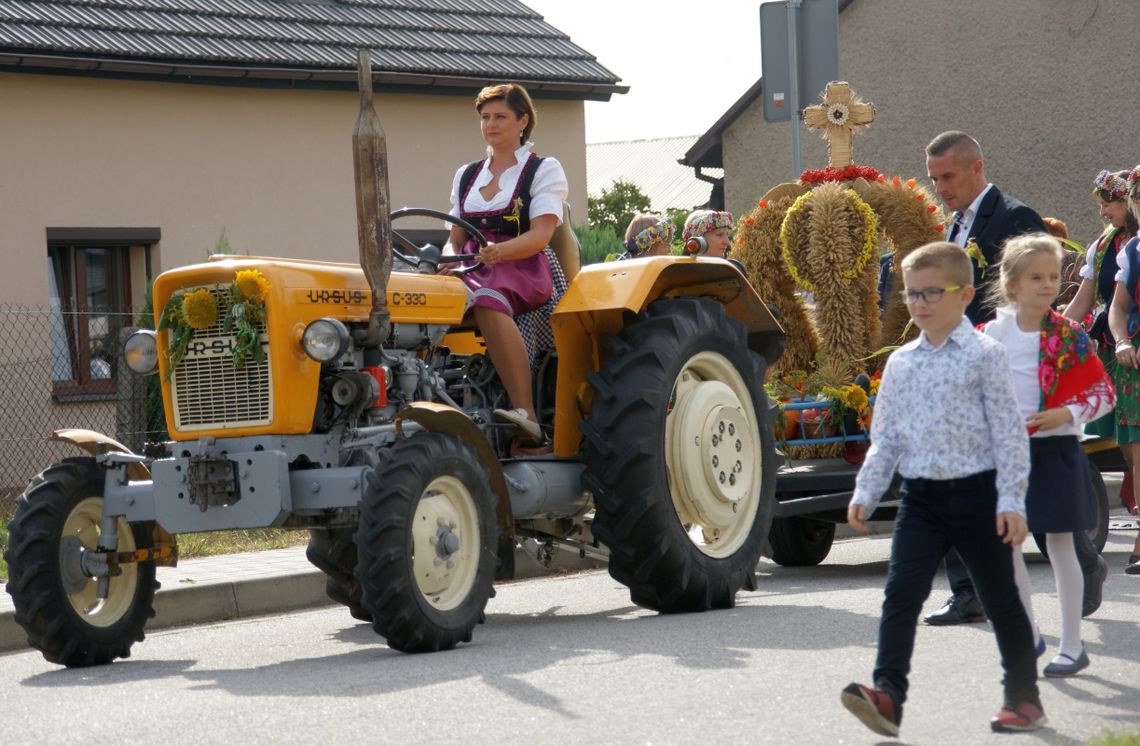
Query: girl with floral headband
x: 1124, y: 322
x: 1110, y: 192
x: 648, y: 235
x: 1059, y: 383
x: 714, y: 226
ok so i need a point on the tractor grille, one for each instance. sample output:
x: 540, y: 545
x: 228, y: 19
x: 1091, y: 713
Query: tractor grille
x: 208, y: 391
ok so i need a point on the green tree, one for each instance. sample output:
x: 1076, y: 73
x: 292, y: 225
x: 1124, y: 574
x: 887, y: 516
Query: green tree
x: 617, y: 206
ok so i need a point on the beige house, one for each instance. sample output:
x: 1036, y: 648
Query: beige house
x: 1048, y: 87
x: 134, y: 133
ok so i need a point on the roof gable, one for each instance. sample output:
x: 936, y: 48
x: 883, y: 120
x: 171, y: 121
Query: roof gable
x: 412, y: 42
x: 654, y: 166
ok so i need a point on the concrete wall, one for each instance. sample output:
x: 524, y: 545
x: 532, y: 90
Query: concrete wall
x: 273, y: 168
x: 1048, y: 87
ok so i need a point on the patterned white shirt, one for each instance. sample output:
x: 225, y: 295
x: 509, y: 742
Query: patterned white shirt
x: 947, y: 412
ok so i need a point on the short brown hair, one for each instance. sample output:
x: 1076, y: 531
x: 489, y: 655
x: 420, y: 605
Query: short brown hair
x: 516, y: 97
x: 966, y: 148
x: 945, y: 256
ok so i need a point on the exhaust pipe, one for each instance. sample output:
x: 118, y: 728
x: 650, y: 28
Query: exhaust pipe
x: 373, y: 213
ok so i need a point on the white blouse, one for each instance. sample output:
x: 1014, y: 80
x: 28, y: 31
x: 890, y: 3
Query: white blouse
x: 1024, y: 357
x: 547, y: 192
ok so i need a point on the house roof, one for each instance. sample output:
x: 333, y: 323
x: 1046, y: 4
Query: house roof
x: 433, y: 43
x: 653, y: 165
x: 706, y: 151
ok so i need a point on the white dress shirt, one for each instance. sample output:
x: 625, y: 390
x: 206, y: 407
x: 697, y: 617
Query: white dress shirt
x: 966, y: 218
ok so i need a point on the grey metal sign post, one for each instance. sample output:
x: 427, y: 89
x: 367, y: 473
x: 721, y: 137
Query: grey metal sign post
x: 799, y: 55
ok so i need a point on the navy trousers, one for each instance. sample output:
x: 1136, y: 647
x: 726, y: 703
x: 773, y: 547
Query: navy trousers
x: 934, y: 516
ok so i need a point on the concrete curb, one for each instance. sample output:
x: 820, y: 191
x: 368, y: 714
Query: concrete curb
x: 215, y: 589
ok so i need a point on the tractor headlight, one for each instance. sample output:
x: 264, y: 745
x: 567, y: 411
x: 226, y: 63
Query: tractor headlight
x: 325, y: 339
x: 141, y: 352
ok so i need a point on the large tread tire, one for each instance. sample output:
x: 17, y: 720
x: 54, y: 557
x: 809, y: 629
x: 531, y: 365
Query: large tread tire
x: 421, y: 486
x: 663, y: 544
x: 1099, y: 532
x: 55, y: 604
x: 333, y: 552
x: 800, y: 542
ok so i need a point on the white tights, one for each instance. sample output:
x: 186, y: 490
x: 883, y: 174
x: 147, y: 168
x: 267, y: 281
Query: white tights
x: 1070, y: 589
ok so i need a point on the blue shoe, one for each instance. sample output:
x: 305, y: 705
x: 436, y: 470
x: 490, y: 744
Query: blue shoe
x: 1040, y: 646
x: 1064, y: 665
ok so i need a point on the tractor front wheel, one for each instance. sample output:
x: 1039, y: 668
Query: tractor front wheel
x: 57, y: 519
x: 426, y: 543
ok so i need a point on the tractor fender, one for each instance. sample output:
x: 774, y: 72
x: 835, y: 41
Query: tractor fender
x: 94, y: 443
x: 604, y: 296
x: 441, y: 418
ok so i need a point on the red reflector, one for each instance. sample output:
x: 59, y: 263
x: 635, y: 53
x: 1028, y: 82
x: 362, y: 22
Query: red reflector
x: 378, y: 373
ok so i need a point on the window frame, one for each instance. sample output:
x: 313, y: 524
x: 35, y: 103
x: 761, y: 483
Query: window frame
x: 72, y: 243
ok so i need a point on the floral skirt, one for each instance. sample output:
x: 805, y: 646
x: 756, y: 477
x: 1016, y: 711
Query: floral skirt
x: 1123, y: 423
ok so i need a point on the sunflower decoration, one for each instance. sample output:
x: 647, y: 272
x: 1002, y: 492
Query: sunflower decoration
x: 185, y: 313
x: 247, y: 314
x: 190, y: 311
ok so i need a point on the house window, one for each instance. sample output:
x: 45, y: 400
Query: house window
x: 90, y: 292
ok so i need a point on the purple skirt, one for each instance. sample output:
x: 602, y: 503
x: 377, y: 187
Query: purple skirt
x: 509, y: 287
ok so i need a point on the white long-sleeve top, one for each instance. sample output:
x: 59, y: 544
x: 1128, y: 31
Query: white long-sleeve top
x: 1024, y: 350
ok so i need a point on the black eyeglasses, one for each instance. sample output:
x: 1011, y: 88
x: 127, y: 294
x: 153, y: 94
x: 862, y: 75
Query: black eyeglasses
x: 929, y: 295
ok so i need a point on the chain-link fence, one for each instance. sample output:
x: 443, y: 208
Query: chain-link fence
x: 62, y: 369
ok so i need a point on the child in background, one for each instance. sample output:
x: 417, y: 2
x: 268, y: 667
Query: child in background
x: 713, y: 226
x: 648, y: 234
x: 1060, y: 384
x: 946, y: 418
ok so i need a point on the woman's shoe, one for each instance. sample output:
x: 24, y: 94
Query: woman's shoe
x: 1064, y: 665
x: 1133, y: 565
x: 529, y: 430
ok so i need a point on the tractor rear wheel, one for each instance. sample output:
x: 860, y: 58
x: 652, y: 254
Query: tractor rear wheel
x: 680, y: 457
x: 426, y: 543
x: 56, y: 519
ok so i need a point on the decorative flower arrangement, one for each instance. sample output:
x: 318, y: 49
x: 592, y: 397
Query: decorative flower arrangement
x: 975, y: 252
x: 247, y: 311
x: 846, y: 173
x: 187, y: 312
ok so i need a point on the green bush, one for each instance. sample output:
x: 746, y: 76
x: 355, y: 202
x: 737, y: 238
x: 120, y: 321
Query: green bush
x: 596, y: 243
x: 617, y: 206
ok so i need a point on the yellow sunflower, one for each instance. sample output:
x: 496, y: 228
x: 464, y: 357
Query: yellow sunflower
x: 199, y: 309
x: 856, y: 397
x: 251, y: 284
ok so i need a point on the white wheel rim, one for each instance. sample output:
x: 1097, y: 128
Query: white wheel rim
x: 82, y: 527
x: 713, y: 454
x: 445, y: 543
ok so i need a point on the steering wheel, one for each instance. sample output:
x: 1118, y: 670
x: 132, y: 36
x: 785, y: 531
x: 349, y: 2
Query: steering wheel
x: 414, y: 257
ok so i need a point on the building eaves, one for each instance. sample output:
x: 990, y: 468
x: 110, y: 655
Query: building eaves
x: 443, y: 42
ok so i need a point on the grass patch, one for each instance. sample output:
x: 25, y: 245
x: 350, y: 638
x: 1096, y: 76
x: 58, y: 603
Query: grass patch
x: 1116, y: 739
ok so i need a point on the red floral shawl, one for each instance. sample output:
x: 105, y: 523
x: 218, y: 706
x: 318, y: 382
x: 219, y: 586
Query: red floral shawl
x: 1068, y: 370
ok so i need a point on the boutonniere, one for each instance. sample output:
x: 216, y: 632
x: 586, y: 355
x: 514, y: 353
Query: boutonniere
x: 514, y: 215
x: 975, y: 252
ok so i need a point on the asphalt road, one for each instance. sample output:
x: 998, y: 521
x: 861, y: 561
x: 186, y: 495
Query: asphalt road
x: 570, y: 660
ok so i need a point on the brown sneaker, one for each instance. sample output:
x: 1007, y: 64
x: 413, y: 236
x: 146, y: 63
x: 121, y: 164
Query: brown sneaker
x: 877, y: 709
x: 1018, y: 718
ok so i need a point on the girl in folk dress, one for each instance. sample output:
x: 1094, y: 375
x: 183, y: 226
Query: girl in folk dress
x: 1060, y: 384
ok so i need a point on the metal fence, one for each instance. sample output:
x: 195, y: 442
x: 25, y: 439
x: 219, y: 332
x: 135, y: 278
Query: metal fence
x: 42, y: 389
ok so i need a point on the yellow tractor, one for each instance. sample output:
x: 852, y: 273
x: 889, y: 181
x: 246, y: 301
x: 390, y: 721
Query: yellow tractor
x: 350, y: 401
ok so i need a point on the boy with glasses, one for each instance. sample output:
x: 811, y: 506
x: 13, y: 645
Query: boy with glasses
x: 947, y: 419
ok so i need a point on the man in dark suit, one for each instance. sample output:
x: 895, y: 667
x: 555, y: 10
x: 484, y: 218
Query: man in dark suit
x: 983, y: 214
